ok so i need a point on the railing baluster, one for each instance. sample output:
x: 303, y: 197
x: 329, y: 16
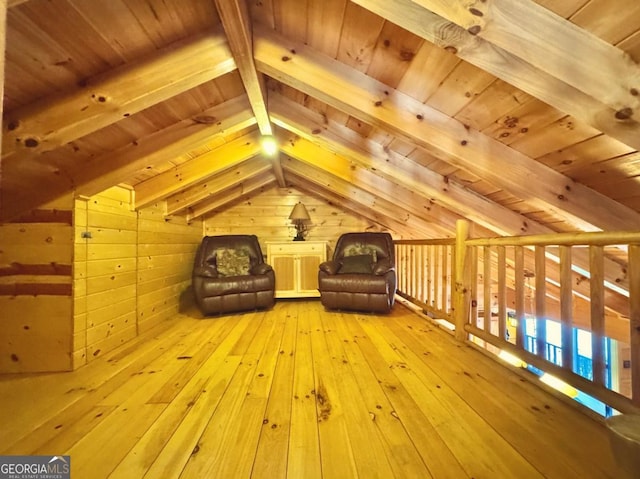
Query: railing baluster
x: 445, y: 277
x: 566, y: 307
x: 486, y: 283
x: 596, y: 268
x: 502, y: 292
x: 520, y: 295
x: 541, y: 301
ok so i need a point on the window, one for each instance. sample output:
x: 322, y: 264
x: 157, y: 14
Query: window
x: 582, y: 356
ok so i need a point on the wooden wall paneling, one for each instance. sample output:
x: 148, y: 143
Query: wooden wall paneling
x: 327, y: 221
x: 110, y: 270
x: 166, y: 251
x: 36, y: 284
x: 36, y: 334
x: 80, y: 214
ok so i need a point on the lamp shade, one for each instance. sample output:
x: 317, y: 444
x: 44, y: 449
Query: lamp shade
x: 299, y: 213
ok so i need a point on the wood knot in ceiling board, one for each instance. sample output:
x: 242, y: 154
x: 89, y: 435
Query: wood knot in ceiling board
x: 406, y: 55
x: 511, y: 121
x: 31, y: 143
x: 13, y: 125
x: 476, y: 12
x: 205, y: 119
x: 634, y: 92
x: 474, y: 30
x: 624, y: 113
x: 99, y: 98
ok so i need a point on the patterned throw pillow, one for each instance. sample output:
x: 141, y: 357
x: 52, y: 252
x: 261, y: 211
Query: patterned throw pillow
x: 359, y: 249
x: 359, y: 263
x: 232, y: 262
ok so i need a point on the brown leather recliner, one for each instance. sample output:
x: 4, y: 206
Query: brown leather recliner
x: 229, y: 274
x: 361, y: 276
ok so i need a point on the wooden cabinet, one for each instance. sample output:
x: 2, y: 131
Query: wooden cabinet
x: 296, y: 266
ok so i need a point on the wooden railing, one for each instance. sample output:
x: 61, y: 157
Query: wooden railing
x: 426, y: 274
x: 502, y: 293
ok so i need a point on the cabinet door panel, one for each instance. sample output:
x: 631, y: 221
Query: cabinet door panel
x: 309, y: 272
x: 283, y: 266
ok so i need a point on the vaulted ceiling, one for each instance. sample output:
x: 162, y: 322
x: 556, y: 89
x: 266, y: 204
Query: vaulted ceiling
x: 520, y: 116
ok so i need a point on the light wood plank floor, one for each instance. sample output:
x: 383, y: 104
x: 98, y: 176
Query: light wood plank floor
x: 298, y: 392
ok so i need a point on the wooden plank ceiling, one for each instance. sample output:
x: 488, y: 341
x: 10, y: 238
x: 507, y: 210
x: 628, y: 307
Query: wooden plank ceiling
x: 522, y: 116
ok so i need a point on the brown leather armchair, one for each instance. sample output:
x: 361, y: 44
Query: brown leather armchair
x: 229, y: 274
x: 361, y: 276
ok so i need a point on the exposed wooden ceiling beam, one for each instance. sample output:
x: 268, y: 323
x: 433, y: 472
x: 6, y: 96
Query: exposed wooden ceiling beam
x: 318, y: 129
x: 221, y: 181
x: 507, y: 66
x: 107, y: 98
x: 356, y: 208
x: 375, y: 103
x: 189, y: 173
x: 552, y: 44
x: 116, y: 167
x: 393, y: 192
x: 99, y: 173
x: 237, y: 25
x: 363, y: 200
x: 222, y: 199
x: 368, y: 154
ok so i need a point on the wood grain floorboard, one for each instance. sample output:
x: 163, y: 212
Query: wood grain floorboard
x: 300, y: 392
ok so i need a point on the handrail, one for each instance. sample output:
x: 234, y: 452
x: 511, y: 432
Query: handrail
x: 496, y: 290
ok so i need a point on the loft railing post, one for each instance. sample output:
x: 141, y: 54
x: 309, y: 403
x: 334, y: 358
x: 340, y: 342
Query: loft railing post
x: 634, y: 323
x: 462, y: 287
